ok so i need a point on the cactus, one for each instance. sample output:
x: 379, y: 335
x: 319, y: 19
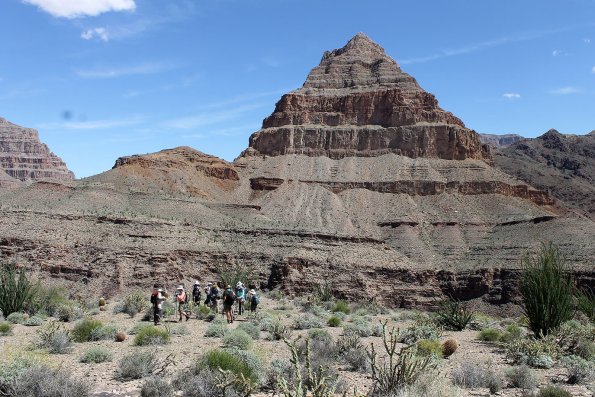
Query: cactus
x: 449, y: 347
x: 101, y: 302
x: 120, y: 337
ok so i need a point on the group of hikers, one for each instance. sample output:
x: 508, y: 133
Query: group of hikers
x: 232, y: 299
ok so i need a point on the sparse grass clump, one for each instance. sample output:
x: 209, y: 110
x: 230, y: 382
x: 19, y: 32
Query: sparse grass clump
x: 429, y: 348
x: 156, y: 387
x: 490, y: 335
x: 363, y: 328
x: 471, y: 376
x: 554, y: 391
x: 341, y: 306
x: 522, y: 377
x: 83, y: 330
x: 333, y: 321
x: 537, y: 353
x: 96, y: 355
x: 106, y: 332
x: 137, y: 365
x: 421, y: 329
x: 238, y: 339
x: 250, y: 329
x: 217, y: 328
x: 226, y: 361
x: 152, y: 336
x: 5, y: 328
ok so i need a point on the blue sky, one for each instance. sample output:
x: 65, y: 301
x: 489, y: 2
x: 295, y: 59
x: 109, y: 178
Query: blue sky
x: 105, y: 78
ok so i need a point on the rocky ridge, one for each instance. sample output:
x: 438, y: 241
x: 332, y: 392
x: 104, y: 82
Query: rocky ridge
x: 499, y: 141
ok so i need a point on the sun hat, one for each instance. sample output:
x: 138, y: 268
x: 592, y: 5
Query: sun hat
x: 252, y: 292
x: 196, y: 282
x: 159, y: 289
x: 180, y: 286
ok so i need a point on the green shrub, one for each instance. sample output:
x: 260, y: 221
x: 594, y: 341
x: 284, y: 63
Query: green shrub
x: 585, y: 302
x: 429, y: 348
x: 33, y: 321
x: 546, y: 290
x: 203, y: 312
x: 522, y: 377
x: 418, y: 331
x: 217, y: 328
x: 537, y: 353
x: 11, y: 369
x: 471, y: 376
x: 137, y: 365
x: 83, y: 329
x: 356, y: 359
x: 277, y: 330
x: 238, y: 339
x: 16, y: 290
x: 136, y: 328
x: 41, y: 381
x: 96, y: 355
x: 362, y: 327
x: 307, y: 321
x: 49, y: 299
x: 341, y: 306
x: 222, y: 360
x: 54, y: 338
x: 454, y: 314
x: 323, y: 292
x: 16, y: 318
x: 579, y: 370
x: 134, y: 303
x: 333, y: 321
x: 69, y: 312
x: 250, y: 329
x: 572, y: 335
x: 106, y: 332
x: 156, y: 387
x: 554, y: 391
x: 490, y: 335
x: 5, y: 328
x: 512, y: 332
x: 204, y: 383
x: 152, y: 336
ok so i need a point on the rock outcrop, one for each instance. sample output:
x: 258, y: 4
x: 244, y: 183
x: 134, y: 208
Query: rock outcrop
x: 563, y: 165
x: 499, y: 141
x: 24, y: 157
x: 358, y: 102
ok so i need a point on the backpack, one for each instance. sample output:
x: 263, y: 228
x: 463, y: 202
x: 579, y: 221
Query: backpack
x: 255, y: 300
x: 153, y: 298
x: 183, y: 298
x: 229, y: 297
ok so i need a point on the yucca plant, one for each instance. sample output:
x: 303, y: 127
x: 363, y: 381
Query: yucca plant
x: 546, y: 288
x: 16, y: 290
x: 585, y: 302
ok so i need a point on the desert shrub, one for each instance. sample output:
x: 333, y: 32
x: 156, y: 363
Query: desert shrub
x: 429, y: 348
x: 454, y: 314
x: 585, y: 349
x: 136, y: 328
x: 492, y: 380
x: 134, y: 303
x: 238, y: 339
x: 156, y: 387
x: 307, y: 321
x: 482, y: 321
x: 230, y: 273
x: 341, y: 306
x: 511, y: 332
x: 572, y: 334
x: 356, y: 359
x: 472, y: 376
x: 490, y: 335
x: 585, y: 302
x: 96, y: 354
x: 363, y: 328
x: 449, y: 346
x: 333, y: 321
x: 5, y: 328
x: 554, y: 391
x: 522, y: 377
x: 204, y: 383
x: 203, y: 312
x: 263, y: 320
x: 250, y: 329
x: 152, y: 336
x: 16, y: 290
x: 105, y: 332
x: 41, y: 381
x: 69, y: 312
x: 277, y: 370
x: 10, y: 370
x: 278, y: 331
x: 217, y: 328
x: 83, y: 329
x: 137, y: 365
x: 54, y: 338
x: 579, y: 370
x: 33, y: 321
x: 397, y: 368
x: 430, y: 385
x: 49, y: 299
x: 421, y: 329
x: 236, y: 371
x: 538, y: 353
x: 349, y: 340
x: 17, y: 318
x: 180, y: 330
x: 323, y: 292
x: 546, y: 290
x: 323, y: 349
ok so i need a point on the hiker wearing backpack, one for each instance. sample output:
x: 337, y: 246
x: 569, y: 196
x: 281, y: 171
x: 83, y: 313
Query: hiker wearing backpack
x: 228, y: 299
x: 196, y: 292
x: 240, y: 297
x: 254, y: 300
x: 215, y: 297
x: 181, y: 299
x: 157, y: 299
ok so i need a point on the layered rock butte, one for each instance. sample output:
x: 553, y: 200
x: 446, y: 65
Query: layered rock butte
x: 358, y: 178
x: 23, y: 157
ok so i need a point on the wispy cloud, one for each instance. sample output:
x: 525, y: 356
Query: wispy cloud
x: 483, y: 45
x: 565, y: 91
x: 81, y: 8
x: 208, y: 118
x: 92, y: 124
x: 100, y: 34
x: 593, y: 70
x: 587, y: 41
x: 556, y: 53
x: 107, y: 73
x: 511, y: 95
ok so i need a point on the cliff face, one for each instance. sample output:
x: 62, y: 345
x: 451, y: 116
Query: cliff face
x: 24, y: 157
x: 499, y: 141
x: 563, y: 165
x: 358, y: 102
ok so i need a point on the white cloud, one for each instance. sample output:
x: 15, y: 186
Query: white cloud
x: 556, y: 53
x: 587, y: 41
x: 96, y: 33
x: 511, y: 95
x: 81, y: 8
x: 107, y: 73
x: 565, y: 91
x: 593, y: 70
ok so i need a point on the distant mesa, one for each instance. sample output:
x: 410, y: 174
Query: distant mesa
x: 358, y: 102
x: 499, y: 141
x: 24, y: 158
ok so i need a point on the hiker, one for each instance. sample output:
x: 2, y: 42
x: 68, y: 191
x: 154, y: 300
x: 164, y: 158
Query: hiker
x: 254, y: 301
x: 196, y: 292
x: 157, y: 299
x: 240, y: 297
x: 208, y: 294
x: 182, y: 301
x: 228, y: 299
